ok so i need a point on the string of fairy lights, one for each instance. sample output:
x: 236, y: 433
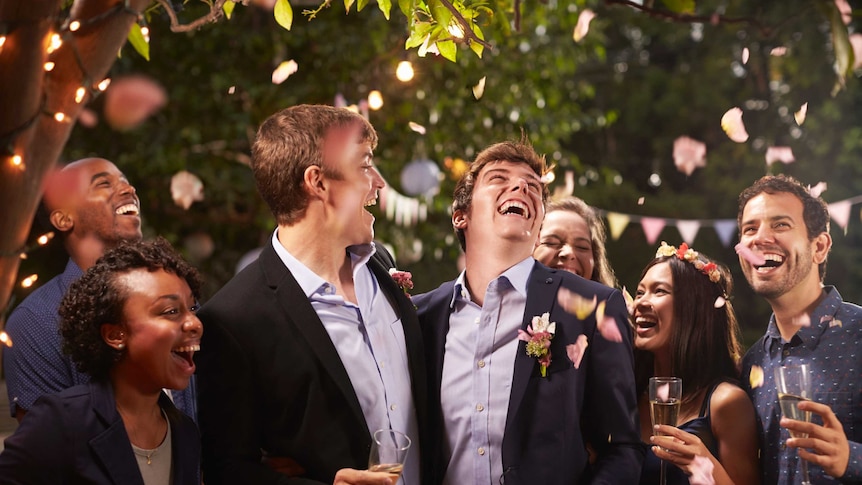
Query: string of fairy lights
x: 89, y: 89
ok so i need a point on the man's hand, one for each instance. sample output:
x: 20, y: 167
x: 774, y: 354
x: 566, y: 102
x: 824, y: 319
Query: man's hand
x: 829, y: 443
x: 349, y: 476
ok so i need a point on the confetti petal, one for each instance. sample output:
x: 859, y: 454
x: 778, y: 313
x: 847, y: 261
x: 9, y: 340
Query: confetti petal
x: 856, y: 44
x: 583, y: 26
x: 803, y: 320
x: 732, y: 124
x: 745, y: 55
x: 747, y: 254
x: 283, y: 71
x: 662, y: 393
x: 630, y: 302
x: 641, y: 200
x: 701, y: 471
x: 835, y: 323
x: 688, y: 154
x: 416, y: 127
x: 800, y: 115
x: 817, y: 189
x: 577, y: 350
x: 607, y: 325
x: 720, y: 302
x: 479, y: 88
x: 779, y: 154
x: 186, y: 188
x: 846, y: 11
x: 778, y: 51
x: 755, y: 376
x: 131, y: 100
x: 576, y: 304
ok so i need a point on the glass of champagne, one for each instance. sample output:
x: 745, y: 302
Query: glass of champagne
x: 793, y: 383
x: 665, y: 395
x: 388, y: 452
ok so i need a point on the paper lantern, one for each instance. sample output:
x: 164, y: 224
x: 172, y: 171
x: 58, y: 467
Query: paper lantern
x: 420, y: 177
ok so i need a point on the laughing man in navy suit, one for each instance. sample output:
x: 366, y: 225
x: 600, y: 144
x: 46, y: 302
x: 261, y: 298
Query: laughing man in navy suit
x: 506, y: 417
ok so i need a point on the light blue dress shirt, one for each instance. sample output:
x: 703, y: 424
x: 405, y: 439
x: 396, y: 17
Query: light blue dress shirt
x: 478, y: 364
x: 369, y: 340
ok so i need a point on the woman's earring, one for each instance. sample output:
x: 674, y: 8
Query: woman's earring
x: 120, y: 346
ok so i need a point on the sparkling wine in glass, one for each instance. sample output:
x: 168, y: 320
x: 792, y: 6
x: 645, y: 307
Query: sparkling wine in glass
x: 388, y: 452
x: 665, y: 398
x: 793, y: 383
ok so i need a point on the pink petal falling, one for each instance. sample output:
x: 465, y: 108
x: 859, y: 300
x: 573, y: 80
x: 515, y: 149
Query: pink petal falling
x: 755, y: 376
x: 803, y: 320
x: 779, y: 154
x: 630, y: 302
x: 856, y: 44
x: 283, y: 71
x: 576, y: 304
x: 688, y: 154
x: 800, y: 115
x: 846, y: 11
x: 131, y: 100
x: 747, y: 254
x: 577, y: 350
x: 186, y: 189
x: 720, y: 302
x: 607, y: 325
x: 662, y: 393
x: 583, y: 25
x: 732, y: 124
x: 818, y: 189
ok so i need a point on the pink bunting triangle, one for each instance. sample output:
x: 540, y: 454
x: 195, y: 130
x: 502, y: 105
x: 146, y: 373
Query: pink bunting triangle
x: 652, y: 227
x: 688, y: 230
x: 840, y: 213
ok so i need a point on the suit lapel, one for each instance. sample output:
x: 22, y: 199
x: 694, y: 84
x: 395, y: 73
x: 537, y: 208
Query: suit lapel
x: 298, y: 311
x: 541, y: 297
x: 112, y: 447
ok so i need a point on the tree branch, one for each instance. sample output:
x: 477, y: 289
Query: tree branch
x: 214, y: 14
x: 764, y: 30
x: 465, y: 26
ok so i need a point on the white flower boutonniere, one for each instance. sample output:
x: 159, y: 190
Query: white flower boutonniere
x: 538, y: 337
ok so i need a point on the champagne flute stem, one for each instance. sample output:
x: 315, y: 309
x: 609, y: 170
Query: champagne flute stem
x: 663, y: 475
x: 805, y: 479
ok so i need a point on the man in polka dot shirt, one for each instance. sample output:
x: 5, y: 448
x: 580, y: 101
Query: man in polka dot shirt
x: 786, y: 233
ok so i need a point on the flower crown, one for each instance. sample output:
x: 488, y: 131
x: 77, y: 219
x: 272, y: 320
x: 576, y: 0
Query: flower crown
x: 689, y: 255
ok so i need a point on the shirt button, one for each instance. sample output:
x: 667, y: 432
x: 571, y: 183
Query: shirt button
x: 382, y: 364
x: 786, y: 353
x: 480, y: 407
x: 481, y: 451
x: 477, y: 320
x: 392, y: 407
x: 481, y: 364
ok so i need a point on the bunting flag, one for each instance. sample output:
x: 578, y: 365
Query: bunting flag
x: 617, y: 223
x: 840, y: 213
x: 688, y: 230
x: 404, y: 211
x: 726, y: 229
x: 652, y: 227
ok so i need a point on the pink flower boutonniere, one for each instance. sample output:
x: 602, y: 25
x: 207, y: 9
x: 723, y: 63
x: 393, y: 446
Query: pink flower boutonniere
x: 403, y: 279
x: 538, y: 337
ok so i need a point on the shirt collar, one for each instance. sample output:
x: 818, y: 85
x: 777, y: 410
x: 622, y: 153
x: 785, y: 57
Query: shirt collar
x: 516, y: 276
x: 820, y: 321
x: 308, y: 280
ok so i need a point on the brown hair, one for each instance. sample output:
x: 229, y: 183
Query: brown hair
x: 814, y: 210
x: 289, y: 142
x: 602, y: 270
x: 508, y: 151
x: 704, y: 346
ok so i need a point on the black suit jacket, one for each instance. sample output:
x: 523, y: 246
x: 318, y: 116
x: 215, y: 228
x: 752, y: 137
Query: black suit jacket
x: 78, y: 437
x: 270, y: 380
x: 551, y: 418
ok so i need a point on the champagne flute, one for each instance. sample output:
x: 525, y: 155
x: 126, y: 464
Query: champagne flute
x: 665, y: 395
x: 793, y: 383
x: 388, y: 452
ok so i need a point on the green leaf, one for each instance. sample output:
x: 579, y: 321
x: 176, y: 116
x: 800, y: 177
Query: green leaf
x: 360, y: 4
x: 440, y: 13
x: 680, y: 6
x: 136, y: 38
x: 448, y: 49
x: 417, y: 35
x: 475, y: 46
x: 284, y: 14
x: 228, y: 8
x: 385, y: 6
x: 347, y: 5
x: 406, y: 7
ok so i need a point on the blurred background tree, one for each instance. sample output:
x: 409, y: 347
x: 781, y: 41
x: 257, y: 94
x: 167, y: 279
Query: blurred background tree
x: 606, y: 108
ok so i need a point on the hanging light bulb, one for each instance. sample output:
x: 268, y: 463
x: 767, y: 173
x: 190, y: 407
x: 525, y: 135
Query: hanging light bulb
x: 79, y: 94
x: 145, y: 31
x: 104, y: 84
x: 404, y: 71
x: 44, y: 238
x: 60, y: 116
x: 55, y: 43
x: 74, y: 25
x: 375, y: 100
x: 5, y: 340
x: 49, y: 66
x: 28, y: 281
x: 18, y: 162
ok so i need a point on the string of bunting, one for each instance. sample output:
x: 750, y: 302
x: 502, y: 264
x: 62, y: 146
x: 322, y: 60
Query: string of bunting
x: 689, y: 228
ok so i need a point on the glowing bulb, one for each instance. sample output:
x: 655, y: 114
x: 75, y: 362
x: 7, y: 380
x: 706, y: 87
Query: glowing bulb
x: 17, y: 160
x: 375, y: 100
x: 75, y: 25
x: 404, y: 71
x: 104, y: 84
x: 79, y: 94
x: 59, y: 116
x: 2, y: 40
x: 49, y: 66
x: 28, y: 281
x: 44, y: 238
x: 5, y: 340
x: 55, y: 43
x: 145, y: 31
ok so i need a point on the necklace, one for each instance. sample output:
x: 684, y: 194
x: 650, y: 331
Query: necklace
x: 148, y: 454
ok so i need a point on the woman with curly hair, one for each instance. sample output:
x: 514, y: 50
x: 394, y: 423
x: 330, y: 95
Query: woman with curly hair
x: 573, y: 238
x: 685, y: 327
x: 130, y: 323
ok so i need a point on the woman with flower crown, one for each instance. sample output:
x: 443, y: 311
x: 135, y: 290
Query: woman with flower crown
x: 685, y: 327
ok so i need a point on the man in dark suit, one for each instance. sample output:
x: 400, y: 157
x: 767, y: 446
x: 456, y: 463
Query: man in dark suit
x: 312, y: 347
x: 512, y: 412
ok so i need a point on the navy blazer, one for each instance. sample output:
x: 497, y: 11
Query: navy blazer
x: 78, y: 437
x: 550, y: 419
x: 270, y: 381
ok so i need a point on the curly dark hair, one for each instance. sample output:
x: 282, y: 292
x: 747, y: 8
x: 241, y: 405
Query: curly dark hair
x: 705, y: 344
x: 508, y: 151
x: 815, y: 212
x: 96, y: 299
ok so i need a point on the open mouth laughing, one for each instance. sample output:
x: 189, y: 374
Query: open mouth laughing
x: 771, y: 261
x: 513, y: 207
